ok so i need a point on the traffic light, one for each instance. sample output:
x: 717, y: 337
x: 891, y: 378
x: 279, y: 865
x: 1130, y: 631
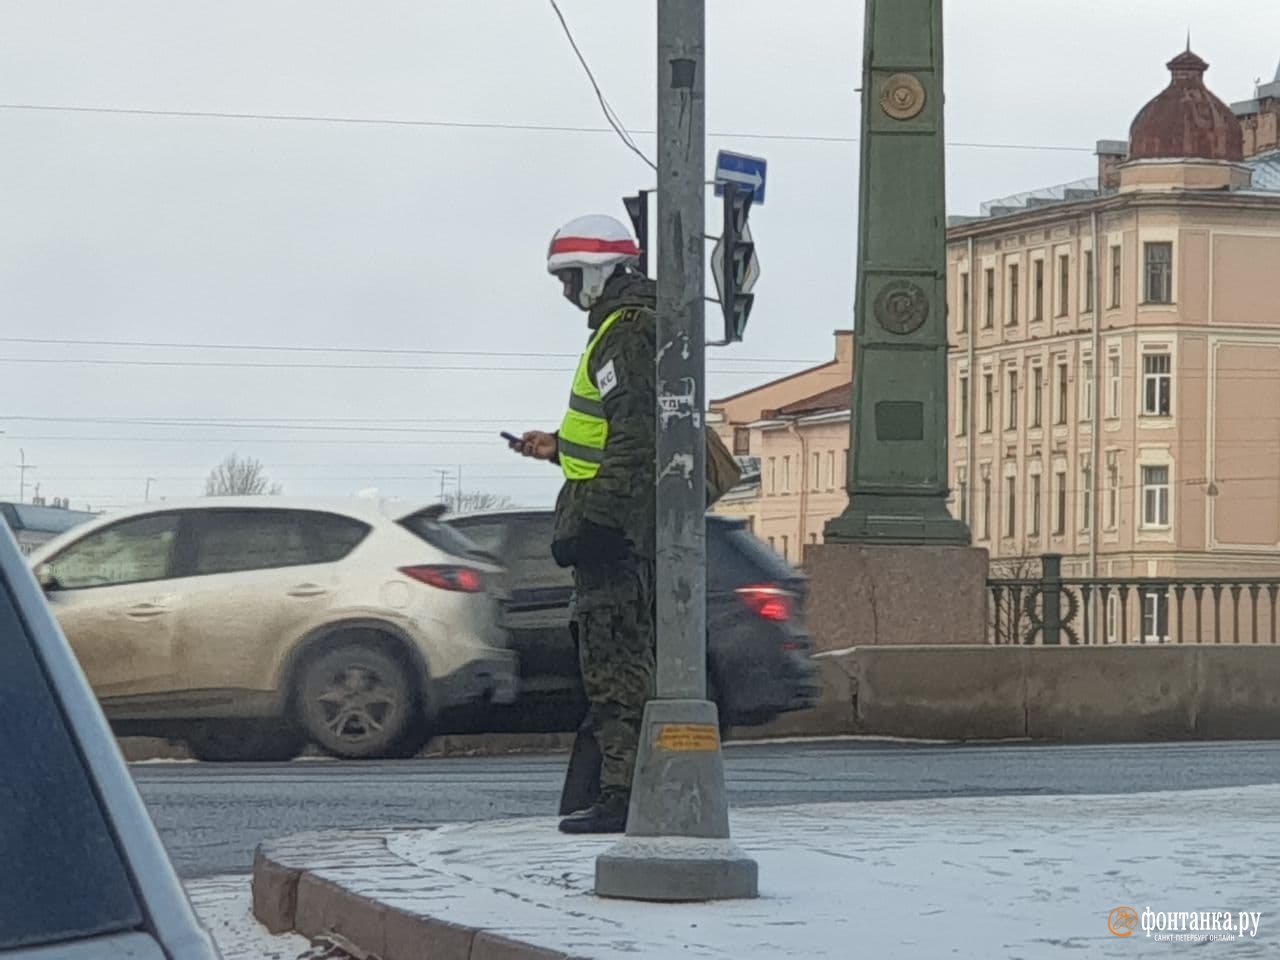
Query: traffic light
x: 738, y: 266
x: 638, y: 211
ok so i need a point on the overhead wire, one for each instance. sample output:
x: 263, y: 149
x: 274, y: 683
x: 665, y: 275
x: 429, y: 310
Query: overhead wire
x: 504, y: 125
x: 609, y: 113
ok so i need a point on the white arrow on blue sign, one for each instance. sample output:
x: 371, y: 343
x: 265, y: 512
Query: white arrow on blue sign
x: 742, y: 170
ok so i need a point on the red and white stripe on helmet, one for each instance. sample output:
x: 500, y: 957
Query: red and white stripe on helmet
x: 596, y: 240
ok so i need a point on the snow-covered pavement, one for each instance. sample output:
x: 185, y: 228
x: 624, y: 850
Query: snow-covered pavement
x: 1007, y: 877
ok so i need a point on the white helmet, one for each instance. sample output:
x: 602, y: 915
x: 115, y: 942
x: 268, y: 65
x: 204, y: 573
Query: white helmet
x: 594, y: 245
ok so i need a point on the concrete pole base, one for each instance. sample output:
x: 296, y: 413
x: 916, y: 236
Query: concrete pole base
x: 676, y: 869
x: 677, y: 845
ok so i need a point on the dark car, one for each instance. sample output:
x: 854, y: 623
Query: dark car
x: 84, y: 872
x: 758, y: 652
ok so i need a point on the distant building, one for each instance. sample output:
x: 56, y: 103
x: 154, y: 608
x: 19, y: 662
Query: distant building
x: 1115, y: 354
x: 1114, y: 363
x: 791, y: 437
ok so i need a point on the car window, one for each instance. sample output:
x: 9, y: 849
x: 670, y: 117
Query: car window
x: 529, y: 550
x: 228, y: 541
x: 332, y: 537
x: 62, y: 875
x: 488, y: 536
x: 131, y: 551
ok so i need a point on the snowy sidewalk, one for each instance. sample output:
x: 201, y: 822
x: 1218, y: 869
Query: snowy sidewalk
x: 1007, y: 877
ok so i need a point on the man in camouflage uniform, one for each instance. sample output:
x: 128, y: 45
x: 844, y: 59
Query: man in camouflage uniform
x: 605, y: 526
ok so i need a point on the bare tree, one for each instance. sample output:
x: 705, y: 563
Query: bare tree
x: 236, y: 477
x: 476, y: 500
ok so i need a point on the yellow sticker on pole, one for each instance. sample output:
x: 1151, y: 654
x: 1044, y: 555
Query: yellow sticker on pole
x: 688, y: 736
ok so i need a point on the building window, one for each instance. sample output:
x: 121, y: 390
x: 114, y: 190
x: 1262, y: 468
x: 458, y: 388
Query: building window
x: 1088, y: 281
x: 962, y: 420
x: 772, y: 545
x: 1086, y: 497
x: 786, y: 474
x: 1037, y: 395
x: 1034, y: 506
x: 1011, y: 418
x: 986, y: 508
x: 1013, y: 296
x: 1115, y: 275
x: 1155, y: 616
x: 964, y: 302
x: 773, y: 475
x: 1158, y: 258
x: 989, y: 310
x: 831, y: 469
x: 741, y: 441
x: 1060, y: 414
x: 1086, y: 389
x: 844, y: 467
x: 1113, y: 493
x: 1155, y: 496
x: 1113, y: 385
x: 1157, y: 384
x: 786, y: 548
x: 988, y: 401
x: 1064, y: 283
x: 1060, y: 503
x: 815, y: 482
x: 1011, y: 506
x: 1038, y: 315
x: 962, y: 488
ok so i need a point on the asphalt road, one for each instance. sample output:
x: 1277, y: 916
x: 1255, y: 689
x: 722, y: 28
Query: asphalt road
x: 211, y: 816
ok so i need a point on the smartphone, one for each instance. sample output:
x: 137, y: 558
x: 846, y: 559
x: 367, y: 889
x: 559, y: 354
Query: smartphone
x: 509, y: 437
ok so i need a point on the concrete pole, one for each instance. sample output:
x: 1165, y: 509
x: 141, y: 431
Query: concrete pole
x: 677, y: 845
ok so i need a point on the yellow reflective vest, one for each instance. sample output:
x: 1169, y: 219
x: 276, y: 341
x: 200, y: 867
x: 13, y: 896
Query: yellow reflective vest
x: 584, y: 429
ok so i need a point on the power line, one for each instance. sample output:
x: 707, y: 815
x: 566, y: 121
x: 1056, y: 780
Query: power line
x: 495, y: 125
x: 249, y: 364
x: 296, y: 348
x: 270, y: 421
x: 609, y: 114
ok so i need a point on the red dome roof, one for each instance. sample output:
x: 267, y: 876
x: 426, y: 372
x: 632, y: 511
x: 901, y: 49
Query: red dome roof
x: 1185, y: 120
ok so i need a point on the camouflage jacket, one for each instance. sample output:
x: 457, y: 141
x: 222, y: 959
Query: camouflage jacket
x: 622, y: 494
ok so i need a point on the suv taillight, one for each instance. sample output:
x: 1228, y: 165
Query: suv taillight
x: 459, y: 579
x: 768, y: 602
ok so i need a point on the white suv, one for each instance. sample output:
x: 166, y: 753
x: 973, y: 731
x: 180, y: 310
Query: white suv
x: 249, y: 625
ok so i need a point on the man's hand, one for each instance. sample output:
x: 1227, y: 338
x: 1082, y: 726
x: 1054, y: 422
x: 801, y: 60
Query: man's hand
x: 536, y: 444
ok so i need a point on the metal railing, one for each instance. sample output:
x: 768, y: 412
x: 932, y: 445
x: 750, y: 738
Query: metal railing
x: 1051, y: 610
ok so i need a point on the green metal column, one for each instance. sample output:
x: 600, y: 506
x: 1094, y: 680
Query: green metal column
x: 898, y: 432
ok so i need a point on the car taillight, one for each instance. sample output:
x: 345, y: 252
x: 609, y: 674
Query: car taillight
x: 768, y: 602
x: 459, y: 579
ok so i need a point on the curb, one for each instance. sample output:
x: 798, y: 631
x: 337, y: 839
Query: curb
x: 289, y: 899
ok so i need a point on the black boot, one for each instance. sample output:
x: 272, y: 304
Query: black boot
x: 608, y: 815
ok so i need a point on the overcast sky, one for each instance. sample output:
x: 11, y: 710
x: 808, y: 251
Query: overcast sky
x: 431, y: 238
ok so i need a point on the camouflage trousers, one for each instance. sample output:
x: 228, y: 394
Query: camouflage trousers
x: 614, y: 628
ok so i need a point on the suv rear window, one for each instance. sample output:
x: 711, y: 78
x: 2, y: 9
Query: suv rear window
x: 764, y: 563
x: 444, y: 537
x: 62, y: 875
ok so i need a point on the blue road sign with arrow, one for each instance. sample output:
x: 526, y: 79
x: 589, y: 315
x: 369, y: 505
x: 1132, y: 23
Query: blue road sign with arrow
x: 742, y: 170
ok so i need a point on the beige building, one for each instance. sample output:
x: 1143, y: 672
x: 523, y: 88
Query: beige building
x: 1114, y: 368
x: 792, y: 438
x: 1115, y: 360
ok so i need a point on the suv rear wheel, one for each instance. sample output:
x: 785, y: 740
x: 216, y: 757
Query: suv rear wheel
x: 357, y: 701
